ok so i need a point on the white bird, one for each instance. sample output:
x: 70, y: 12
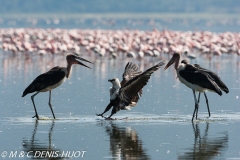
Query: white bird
x: 191, y: 56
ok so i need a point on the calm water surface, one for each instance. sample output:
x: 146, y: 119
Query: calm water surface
x: 159, y: 127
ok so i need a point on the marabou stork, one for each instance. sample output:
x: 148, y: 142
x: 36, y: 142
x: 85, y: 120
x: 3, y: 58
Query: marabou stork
x: 126, y: 94
x: 198, y: 79
x: 52, y: 79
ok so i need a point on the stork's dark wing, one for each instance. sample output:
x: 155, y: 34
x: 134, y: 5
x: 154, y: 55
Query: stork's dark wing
x: 216, y: 78
x: 130, y: 90
x: 131, y: 70
x: 195, y: 76
x: 45, y: 80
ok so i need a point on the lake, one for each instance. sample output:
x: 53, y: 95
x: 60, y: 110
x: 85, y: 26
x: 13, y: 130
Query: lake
x: 177, y: 22
x: 159, y: 127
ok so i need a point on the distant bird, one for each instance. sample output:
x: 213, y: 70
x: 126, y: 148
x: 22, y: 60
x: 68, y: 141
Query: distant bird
x: 52, y: 79
x: 113, y: 55
x: 141, y: 54
x: 191, y: 56
x: 197, y: 78
x: 131, y: 54
x: 126, y: 94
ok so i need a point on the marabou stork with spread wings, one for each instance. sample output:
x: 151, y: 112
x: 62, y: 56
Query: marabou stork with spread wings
x: 126, y: 94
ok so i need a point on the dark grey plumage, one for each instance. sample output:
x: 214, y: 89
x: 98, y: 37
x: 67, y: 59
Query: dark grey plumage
x: 215, y: 77
x: 133, y: 86
x: 45, y: 80
x: 131, y: 70
x: 199, y: 78
x: 128, y: 94
x: 52, y: 79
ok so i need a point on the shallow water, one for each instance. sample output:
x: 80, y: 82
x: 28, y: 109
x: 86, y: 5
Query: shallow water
x: 159, y: 127
x: 182, y: 24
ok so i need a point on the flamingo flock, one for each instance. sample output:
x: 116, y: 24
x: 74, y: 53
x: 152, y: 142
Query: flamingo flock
x: 118, y: 43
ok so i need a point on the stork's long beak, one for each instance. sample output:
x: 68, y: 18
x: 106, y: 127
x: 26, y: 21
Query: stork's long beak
x: 82, y: 59
x: 175, y: 58
x: 172, y: 60
x: 110, y: 80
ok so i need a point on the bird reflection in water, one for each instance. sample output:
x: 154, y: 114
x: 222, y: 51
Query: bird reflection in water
x: 125, y: 143
x: 205, y: 148
x: 35, y: 149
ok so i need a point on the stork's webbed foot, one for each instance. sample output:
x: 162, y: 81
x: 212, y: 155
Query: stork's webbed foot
x: 36, y: 117
x: 101, y: 115
x: 109, y: 118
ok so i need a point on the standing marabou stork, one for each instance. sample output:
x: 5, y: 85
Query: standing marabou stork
x: 217, y: 80
x: 126, y: 94
x: 52, y: 79
x: 197, y: 78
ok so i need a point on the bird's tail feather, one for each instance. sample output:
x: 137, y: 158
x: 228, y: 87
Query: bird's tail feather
x: 217, y: 88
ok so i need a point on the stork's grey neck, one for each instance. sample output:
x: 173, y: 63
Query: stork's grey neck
x: 69, y: 70
x: 177, y: 62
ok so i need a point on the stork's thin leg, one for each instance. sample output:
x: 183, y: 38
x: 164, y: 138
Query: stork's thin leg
x: 207, y: 104
x: 196, y: 105
x: 32, y: 97
x: 199, y: 97
x: 109, y: 106
x: 114, y: 110
x: 49, y: 103
x: 109, y: 118
x: 194, y: 109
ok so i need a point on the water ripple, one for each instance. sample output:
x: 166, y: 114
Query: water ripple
x: 146, y: 118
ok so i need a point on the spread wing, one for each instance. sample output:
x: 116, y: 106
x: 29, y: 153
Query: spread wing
x: 216, y: 78
x: 45, y: 80
x: 131, y: 70
x: 195, y: 76
x: 130, y: 90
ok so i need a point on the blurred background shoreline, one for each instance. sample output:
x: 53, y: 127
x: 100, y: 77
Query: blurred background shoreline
x: 123, y: 15
x: 125, y: 6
